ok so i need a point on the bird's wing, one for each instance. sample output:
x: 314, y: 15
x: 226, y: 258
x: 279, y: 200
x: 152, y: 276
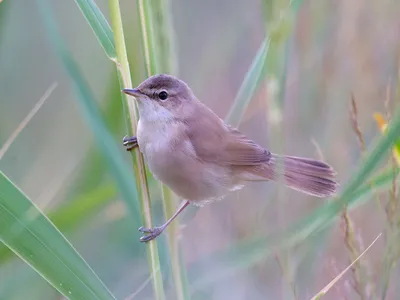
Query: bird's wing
x: 214, y: 141
x: 239, y: 150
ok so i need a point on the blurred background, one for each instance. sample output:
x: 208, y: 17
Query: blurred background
x: 328, y: 52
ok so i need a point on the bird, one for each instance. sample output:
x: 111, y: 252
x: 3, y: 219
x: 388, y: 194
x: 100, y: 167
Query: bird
x: 201, y: 158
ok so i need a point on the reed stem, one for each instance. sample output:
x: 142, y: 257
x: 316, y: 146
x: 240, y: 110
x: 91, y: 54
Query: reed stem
x: 131, y: 118
x: 161, y: 59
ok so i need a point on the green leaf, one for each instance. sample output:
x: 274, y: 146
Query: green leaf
x: 32, y: 236
x: 277, y: 36
x: 99, y: 25
x: 249, y: 85
x: 81, y: 208
x: 76, y: 211
x: 111, y: 153
x: 249, y: 252
x: 93, y: 169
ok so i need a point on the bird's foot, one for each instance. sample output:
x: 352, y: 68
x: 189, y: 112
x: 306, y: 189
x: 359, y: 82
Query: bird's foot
x: 150, y: 233
x: 130, y: 142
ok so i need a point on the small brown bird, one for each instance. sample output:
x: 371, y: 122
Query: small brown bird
x: 201, y: 158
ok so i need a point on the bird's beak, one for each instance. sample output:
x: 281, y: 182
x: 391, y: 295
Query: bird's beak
x: 133, y: 92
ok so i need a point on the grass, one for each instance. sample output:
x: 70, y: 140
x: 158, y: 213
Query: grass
x: 175, y: 270
x: 29, y: 234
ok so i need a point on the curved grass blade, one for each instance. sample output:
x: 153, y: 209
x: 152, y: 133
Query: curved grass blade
x: 262, y: 61
x: 112, y: 155
x: 32, y: 236
x: 99, y: 25
x: 250, y: 252
x: 26, y: 120
x: 76, y: 211
x: 249, y: 85
x: 338, y: 277
x: 93, y: 168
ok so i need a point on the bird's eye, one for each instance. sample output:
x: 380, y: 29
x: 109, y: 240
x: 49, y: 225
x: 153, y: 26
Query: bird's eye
x: 163, y: 95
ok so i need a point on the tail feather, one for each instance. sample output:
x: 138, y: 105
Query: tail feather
x: 305, y: 175
x: 306, y: 166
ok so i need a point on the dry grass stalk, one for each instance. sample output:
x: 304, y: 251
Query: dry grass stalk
x: 352, y: 246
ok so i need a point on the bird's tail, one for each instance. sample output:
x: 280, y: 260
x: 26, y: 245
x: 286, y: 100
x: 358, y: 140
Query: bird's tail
x: 309, y: 176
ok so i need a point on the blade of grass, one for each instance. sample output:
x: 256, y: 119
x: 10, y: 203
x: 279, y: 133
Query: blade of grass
x: 131, y: 113
x: 249, y: 85
x: 275, y: 40
x: 30, y: 235
x: 75, y: 212
x: 331, y: 209
x: 92, y: 167
x: 337, y: 278
x: 112, y: 155
x: 250, y: 252
x: 17, y: 131
x: 26, y: 120
x: 79, y: 208
x: 99, y: 25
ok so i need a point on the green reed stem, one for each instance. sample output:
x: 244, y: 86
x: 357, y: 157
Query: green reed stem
x: 148, y: 36
x: 156, y: 26
x: 131, y: 117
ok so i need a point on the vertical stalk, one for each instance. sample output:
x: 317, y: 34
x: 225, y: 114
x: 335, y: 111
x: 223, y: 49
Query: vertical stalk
x: 157, y: 26
x: 148, y: 37
x: 131, y: 117
x: 165, y: 37
x: 178, y: 269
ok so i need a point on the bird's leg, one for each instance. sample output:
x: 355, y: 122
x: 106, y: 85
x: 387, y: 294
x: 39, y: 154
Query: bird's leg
x: 152, y: 233
x: 130, y: 142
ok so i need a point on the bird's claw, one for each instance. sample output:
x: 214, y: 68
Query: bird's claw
x: 130, y: 142
x: 150, y: 233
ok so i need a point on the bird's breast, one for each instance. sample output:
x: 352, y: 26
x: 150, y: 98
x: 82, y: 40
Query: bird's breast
x: 163, y: 146
x: 172, y: 159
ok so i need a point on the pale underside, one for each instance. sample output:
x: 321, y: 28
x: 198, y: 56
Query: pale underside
x: 199, y: 166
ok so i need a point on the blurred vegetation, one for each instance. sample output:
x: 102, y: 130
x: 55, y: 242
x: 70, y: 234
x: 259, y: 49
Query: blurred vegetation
x: 285, y: 71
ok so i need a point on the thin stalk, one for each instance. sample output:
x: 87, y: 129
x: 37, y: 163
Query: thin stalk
x: 157, y: 26
x: 178, y: 269
x: 165, y: 37
x: 131, y: 117
x: 148, y: 35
